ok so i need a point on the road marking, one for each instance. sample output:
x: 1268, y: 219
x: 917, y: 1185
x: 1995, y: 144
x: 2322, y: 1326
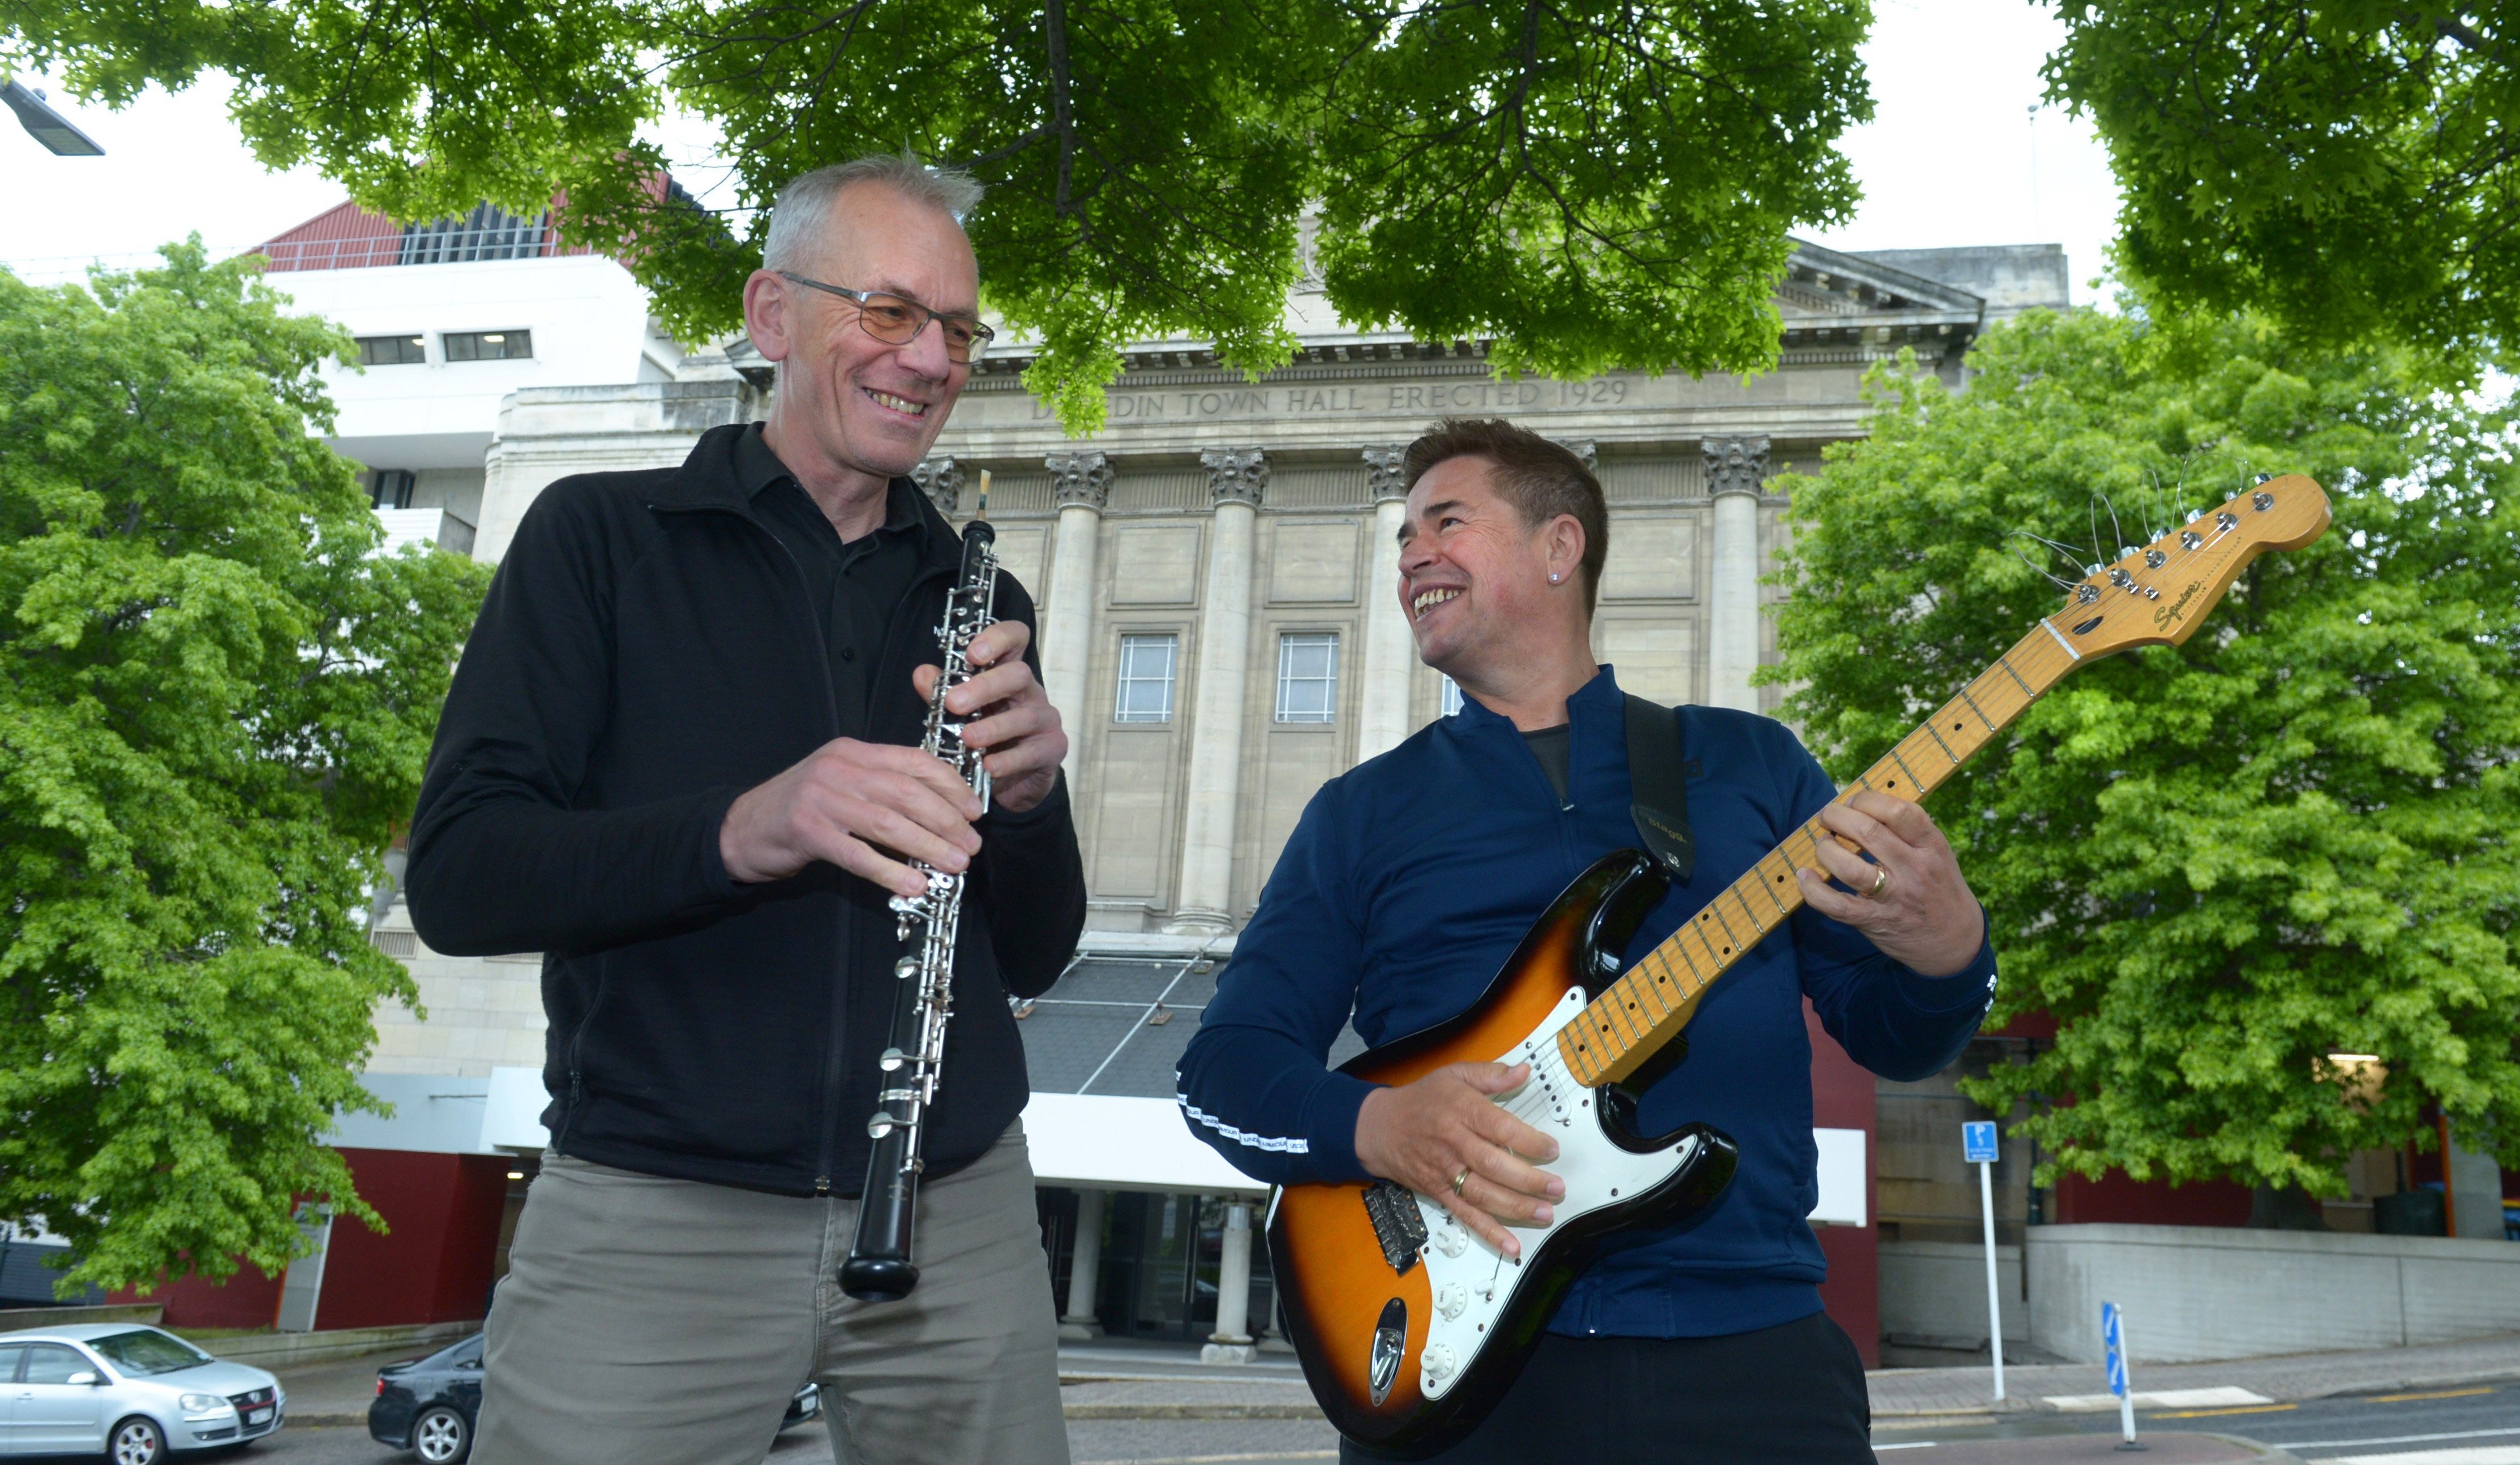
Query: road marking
x: 2473, y: 1454
x: 1919, y: 1445
x: 1288, y: 1455
x: 2163, y: 1398
x: 2397, y: 1439
x: 2212, y: 1414
x: 2404, y: 1399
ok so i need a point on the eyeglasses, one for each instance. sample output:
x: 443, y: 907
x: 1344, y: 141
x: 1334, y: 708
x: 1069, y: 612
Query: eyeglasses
x: 897, y: 322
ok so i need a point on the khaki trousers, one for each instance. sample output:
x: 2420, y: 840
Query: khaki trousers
x: 668, y: 1323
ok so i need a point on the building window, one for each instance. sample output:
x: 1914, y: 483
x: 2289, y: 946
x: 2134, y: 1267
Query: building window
x: 1307, y: 676
x: 1451, y: 697
x: 391, y: 488
x: 487, y: 233
x: 1146, y: 679
x: 391, y: 350
x: 489, y: 345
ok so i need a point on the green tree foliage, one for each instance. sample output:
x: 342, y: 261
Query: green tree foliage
x: 215, y: 702
x: 2218, y: 864
x: 1588, y: 183
x: 2347, y: 168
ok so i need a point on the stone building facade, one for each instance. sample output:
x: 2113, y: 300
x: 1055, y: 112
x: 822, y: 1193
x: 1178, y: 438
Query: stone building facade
x: 1217, y: 568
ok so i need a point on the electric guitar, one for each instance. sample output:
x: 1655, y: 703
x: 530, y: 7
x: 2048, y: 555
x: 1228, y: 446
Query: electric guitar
x: 1409, y: 1327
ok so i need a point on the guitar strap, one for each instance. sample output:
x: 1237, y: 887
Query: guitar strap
x: 1658, y: 781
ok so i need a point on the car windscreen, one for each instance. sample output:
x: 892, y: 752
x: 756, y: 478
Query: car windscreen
x: 147, y: 1351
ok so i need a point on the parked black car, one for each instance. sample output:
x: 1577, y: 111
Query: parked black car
x: 428, y: 1405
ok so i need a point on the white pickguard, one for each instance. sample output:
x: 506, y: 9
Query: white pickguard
x: 1470, y: 1280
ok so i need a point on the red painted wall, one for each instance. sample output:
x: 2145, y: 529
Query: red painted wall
x: 433, y: 1263
x: 1842, y: 1099
x: 2115, y: 1198
x: 246, y: 1300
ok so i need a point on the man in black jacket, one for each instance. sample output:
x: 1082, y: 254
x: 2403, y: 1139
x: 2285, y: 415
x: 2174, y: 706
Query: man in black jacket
x: 681, y: 760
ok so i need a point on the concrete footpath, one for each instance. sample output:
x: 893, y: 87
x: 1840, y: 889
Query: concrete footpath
x: 1139, y: 1381
x: 1940, y: 1393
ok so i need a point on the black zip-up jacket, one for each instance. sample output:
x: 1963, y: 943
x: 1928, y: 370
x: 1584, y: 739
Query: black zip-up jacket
x: 649, y: 651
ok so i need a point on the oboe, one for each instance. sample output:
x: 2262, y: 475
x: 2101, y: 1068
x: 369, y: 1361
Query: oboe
x: 879, y: 1268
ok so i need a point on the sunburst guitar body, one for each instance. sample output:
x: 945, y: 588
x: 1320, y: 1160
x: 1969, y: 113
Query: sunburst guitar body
x: 1409, y: 1327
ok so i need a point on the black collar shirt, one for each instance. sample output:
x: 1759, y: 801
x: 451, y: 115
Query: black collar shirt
x: 857, y: 585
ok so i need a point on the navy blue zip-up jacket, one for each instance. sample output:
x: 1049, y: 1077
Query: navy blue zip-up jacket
x: 1408, y: 881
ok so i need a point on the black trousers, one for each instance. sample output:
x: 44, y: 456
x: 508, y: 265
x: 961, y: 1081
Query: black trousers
x: 1792, y: 1394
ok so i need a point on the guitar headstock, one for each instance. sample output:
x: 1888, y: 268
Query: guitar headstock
x: 2157, y: 595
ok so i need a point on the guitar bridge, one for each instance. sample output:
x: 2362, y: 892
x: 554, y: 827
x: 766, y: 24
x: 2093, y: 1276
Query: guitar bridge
x: 1396, y: 1224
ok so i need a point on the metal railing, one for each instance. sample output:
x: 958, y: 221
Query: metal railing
x: 522, y: 239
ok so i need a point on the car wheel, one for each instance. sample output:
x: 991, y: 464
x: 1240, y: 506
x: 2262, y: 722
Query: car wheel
x: 441, y: 1436
x: 136, y: 1441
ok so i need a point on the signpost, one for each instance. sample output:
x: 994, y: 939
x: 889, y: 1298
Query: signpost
x: 2113, y: 1340
x: 1978, y: 1149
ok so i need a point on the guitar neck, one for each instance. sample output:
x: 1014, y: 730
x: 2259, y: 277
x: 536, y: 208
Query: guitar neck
x: 1647, y: 1006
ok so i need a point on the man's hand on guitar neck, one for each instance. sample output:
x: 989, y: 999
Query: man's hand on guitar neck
x: 1912, y: 901
x: 1423, y: 1134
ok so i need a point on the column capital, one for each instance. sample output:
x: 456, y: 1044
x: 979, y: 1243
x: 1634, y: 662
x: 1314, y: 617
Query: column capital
x: 941, y: 479
x: 1382, y: 472
x: 1238, y: 476
x: 1734, y: 465
x: 1585, y: 453
x: 1080, y: 478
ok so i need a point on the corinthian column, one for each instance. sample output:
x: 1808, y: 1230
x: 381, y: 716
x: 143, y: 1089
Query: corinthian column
x: 1083, y: 484
x: 941, y: 479
x: 1734, y: 468
x: 1235, y: 479
x: 1382, y: 710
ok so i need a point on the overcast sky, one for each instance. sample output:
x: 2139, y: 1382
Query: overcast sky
x: 1957, y: 156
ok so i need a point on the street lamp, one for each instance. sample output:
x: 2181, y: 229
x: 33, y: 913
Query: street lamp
x: 46, y: 125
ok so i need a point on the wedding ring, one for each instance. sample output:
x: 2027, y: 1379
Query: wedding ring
x: 1461, y: 1180
x: 1880, y: 877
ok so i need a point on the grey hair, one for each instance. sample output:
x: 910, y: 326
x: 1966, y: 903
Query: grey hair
x: 804, y: 207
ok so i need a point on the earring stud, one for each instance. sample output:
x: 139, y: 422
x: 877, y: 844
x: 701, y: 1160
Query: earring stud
x: 1552, y: 577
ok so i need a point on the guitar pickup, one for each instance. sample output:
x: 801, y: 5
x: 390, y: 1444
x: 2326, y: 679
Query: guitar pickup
x: 1396, y: 1224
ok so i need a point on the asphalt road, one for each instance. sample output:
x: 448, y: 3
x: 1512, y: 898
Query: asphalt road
x: 2477, y: 1425
x: 1092, y: 1441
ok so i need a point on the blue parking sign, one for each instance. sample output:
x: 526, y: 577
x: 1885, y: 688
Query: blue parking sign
x: 2113, y: 1340
x: 1977, y: 1141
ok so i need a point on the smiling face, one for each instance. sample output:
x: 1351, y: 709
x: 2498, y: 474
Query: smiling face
x: 1475, y: 578
x: 858, y: 408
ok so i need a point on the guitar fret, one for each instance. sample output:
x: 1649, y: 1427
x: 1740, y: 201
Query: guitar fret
x: 1914, y: 782
x: 1985, y: 722
x: 1718, y: 913
x: 1769, y: 882
x: 2005, y: 662
x: 1756, y: 925
x: 1947, y: 747
x: 1652, y: 992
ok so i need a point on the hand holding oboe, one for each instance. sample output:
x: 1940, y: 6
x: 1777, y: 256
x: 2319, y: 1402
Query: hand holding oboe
x: 1017, y: 728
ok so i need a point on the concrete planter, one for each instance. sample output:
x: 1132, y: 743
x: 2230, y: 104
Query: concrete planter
x: 282, y: 1349
x: 2195, y: 1294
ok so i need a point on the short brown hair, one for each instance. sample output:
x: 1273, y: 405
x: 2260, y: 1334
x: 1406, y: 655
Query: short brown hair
x: 1539, y: 478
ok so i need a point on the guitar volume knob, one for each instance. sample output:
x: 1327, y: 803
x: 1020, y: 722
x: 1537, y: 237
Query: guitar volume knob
x: 1451, y: 1242
x: 1437, y: 1362
x: 1451, y: 1299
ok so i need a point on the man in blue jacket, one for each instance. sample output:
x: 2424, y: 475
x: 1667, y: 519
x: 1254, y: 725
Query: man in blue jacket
x: 1411, y: 878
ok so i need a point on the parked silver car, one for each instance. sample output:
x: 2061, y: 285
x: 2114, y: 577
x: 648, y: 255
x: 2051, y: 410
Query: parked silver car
x: 129, y: 1391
